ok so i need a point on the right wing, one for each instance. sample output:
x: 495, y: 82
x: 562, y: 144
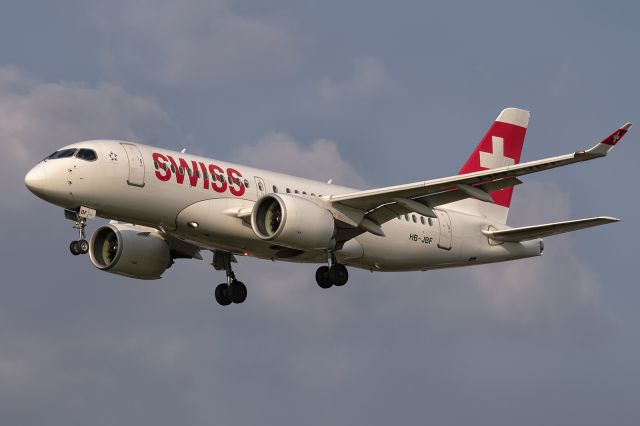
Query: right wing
x: 372, y: 198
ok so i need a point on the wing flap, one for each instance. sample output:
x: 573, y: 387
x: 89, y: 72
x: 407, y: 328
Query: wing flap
x: 539, y: 231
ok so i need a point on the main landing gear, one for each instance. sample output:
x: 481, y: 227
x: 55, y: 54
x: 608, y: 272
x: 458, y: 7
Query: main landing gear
x: 233, y: 291
x: 81, y: 246
x: 332, y: 274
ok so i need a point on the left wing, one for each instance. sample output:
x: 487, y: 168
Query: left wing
x: 420, y: 197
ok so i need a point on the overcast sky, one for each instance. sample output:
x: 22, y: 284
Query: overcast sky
x: 368, y: 93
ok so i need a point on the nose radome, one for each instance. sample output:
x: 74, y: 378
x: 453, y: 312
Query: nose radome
x: 35, y: 180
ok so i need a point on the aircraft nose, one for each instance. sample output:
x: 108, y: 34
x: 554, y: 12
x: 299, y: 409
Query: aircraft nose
x: 36, y: 180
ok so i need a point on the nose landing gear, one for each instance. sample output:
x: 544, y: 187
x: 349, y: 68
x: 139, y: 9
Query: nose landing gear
x: 233, y: 291
x: 81, y: 246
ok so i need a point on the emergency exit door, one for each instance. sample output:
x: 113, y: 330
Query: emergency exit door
x: 136, y: 165
x: 445, y: 230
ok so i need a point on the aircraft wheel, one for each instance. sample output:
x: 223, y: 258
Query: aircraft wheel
x: 338, y: 274
x: 238, y: 292
x: 222, y: 294
x: 74, y: 248
x: 322, y: 277
x: 83, y: 246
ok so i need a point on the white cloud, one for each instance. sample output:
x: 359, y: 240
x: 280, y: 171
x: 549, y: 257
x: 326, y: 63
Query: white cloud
x: 194, y: 41
x: 321, y: 160
x: 558, y: 288
x: 38, y: 117
x: 370, y: 77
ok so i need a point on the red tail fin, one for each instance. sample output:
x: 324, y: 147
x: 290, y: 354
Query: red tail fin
x: 501, y: 146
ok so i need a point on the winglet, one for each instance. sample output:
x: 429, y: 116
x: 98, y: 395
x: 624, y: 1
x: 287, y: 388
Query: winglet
x: 607, y: 144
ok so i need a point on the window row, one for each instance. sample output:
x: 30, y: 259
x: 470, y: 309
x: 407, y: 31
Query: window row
x: 295, y: 191
x: 414, y: 218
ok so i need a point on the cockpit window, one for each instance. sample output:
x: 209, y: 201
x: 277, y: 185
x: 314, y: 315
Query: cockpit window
x: 87, y: 154
x: 63, y: 153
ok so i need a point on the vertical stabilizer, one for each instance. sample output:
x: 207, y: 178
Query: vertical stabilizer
x: 501, y: 146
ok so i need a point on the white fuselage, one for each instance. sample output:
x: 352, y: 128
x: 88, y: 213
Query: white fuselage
x: 135, y: 183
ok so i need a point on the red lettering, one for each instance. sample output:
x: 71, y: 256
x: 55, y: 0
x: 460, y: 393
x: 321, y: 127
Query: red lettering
x: 163, y: 173
x: 167, y: 166
x: 174, y: 166
x: 235, y: 181
x: 204, y: 175
x: 183, y: 169
x: 216, y: 185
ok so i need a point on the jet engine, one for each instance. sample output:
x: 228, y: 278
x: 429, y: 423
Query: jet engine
x: 293, y: 222
x: 132, y: 251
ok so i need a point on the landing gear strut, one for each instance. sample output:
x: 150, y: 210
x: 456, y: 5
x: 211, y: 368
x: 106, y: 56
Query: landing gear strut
x: 81, y: 246
x: 233, y: 291
x: 332, y: 274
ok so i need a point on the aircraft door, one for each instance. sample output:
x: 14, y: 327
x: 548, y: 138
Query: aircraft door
x: 261, y: 188
x: 136, y: 165
x: 445, y: 230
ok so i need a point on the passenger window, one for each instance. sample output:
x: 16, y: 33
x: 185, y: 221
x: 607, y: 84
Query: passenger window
x: 288, y: 191
x: 155, y: 164
x: 221, y: 177
x: 197, y: 173
x: 173, y: 168
x: 304, y: 192
x: 260, y: 187
x: 415, y: 220
x: 406, y: 217
x: 275, y: 189
x: 246, y: 184
x: 181, y: 170
x: 430, y: 222
x: 313, y: 195
x: 422, y: 220
x: 296, y: 191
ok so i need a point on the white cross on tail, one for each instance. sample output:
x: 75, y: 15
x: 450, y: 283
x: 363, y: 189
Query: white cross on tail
x: 496, y: 159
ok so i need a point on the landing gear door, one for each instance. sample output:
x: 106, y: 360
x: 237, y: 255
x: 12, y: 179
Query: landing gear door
x: 260, y: 187
x: 445, y: 230
x: 136, y: 165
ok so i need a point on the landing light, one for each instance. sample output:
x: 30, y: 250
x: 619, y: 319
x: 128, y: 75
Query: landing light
x: 193, y: 225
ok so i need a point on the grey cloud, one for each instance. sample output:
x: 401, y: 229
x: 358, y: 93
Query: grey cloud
x: 195, y: 42
x: 550, y: 340
x: 369, y: 77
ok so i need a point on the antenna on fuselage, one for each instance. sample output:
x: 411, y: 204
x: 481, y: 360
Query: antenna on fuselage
x: 183, y: 150
x: 329, y: 181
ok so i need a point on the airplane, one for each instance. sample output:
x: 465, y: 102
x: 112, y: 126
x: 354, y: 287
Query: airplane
x: 165, y: 205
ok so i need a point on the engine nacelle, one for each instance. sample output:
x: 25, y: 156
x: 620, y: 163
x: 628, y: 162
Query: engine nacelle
x: 132, y: 251
x: 293, y: 222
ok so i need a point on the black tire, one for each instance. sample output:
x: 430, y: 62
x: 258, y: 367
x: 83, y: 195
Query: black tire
x: 84, y: 246
x: 238, y: 292
x: 74, y: 248
x: 338, y: 274
x: 222, y: 294
x: 322, y: 277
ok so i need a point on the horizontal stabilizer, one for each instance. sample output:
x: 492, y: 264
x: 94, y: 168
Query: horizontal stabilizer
x: 539, y: 231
